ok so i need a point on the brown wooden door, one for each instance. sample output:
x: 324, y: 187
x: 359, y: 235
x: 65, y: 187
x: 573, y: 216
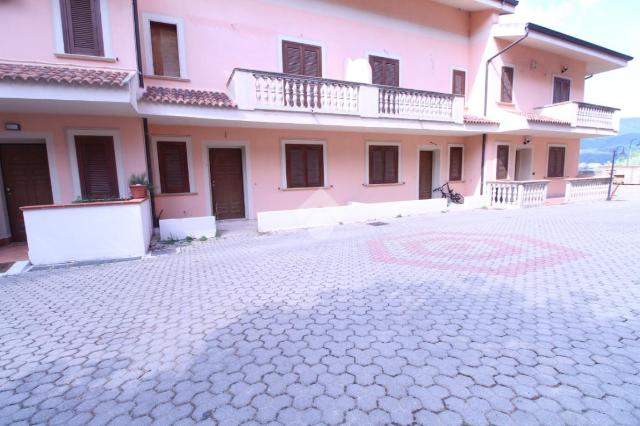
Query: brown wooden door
x: 25, y: 174
x: 227, y: 183
x: 426, y: 175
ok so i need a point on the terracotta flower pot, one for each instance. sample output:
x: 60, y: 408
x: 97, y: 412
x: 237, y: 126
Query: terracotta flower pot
x: 138, y: 191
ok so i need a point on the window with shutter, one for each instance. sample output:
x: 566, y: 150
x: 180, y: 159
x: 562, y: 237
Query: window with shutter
x: 81, y: 27
x: 304, y: 165
x: 164, y: 49
x: 455, y: 163
x: 458, y: 85
x: 173, y: 167
x: 301, y: 59
x: 502, y: 162
x: 561, y: 89
x: 385, y: 71
x: 97, y: 167
x: 556, y: 161
x: 383, y: 164
x: 506, y: 92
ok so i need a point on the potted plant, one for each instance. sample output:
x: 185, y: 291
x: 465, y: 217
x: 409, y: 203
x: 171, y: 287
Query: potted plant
x: 139, y: 185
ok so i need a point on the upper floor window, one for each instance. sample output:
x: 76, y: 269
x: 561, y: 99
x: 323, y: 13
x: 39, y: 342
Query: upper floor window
x: 556, y: 161
x: 164, y: 46
x: 81, y: 27
x: 506, y: 85
x: 385, y: 71
x: 383, y: 164
x: 301, y: 59
x: 304, y: 164
x: 456, y: 157
x: 561, y: 89
x: 459, y: 82
x: 164, y: 49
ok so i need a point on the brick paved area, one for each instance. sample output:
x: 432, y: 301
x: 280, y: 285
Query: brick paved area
x: 482, y: 317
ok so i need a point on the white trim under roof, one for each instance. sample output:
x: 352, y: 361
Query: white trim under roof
x: 476, y: 5
x: 596, y: 61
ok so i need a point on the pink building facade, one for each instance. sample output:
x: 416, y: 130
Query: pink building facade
x: 238, y: 108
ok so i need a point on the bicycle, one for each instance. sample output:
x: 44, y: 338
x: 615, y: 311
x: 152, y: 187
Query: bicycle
x: 450, y: 194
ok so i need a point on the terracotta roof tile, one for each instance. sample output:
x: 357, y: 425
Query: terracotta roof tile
x: 55, y: 74
x: 542, y: 119
x: 168, y: 95
x: 472, y: 119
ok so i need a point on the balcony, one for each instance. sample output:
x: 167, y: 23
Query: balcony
x: 581, y: 114
x: 268, y: 91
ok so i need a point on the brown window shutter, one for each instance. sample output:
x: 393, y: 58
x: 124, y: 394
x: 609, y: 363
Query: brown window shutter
x: 173, y: 167
x: 561, y: 89
x: 556, y: 161
x: 82, y: 28
x: 164, y: 46
x: 455, y: 163
x: 458, y: 85
x: 502, y: 162
x: 383, y: 164
x: 97, y: 167
x: 301, y: 59
x: 385, y: 71
x: 506, y: 92
x: 304, y: 165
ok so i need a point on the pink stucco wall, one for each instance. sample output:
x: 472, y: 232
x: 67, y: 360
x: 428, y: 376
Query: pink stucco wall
x: 54, y: 127
x: 346, y: 156
x: 28, y: 34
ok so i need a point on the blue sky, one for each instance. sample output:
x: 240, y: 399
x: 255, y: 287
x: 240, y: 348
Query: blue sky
x: 611, y: 23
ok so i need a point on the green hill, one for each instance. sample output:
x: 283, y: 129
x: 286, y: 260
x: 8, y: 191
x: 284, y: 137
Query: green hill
x: 598, y: 150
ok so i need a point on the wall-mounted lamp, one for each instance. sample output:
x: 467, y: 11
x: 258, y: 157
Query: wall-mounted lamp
x: 526, y: 140
x: 564, y: 69
x: 533, y: 65
x: 14, y: 127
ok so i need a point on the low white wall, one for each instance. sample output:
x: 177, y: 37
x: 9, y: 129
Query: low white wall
x: 88, y: 232
x: 354, y: 212
x: 194, y: 227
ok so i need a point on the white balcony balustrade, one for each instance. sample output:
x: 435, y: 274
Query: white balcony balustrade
x: 516, y: 194
x: 586, y: 189
x: 259, y: 90
x: 581, y: 114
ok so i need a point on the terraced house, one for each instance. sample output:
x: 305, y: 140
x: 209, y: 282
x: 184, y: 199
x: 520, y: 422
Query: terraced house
x: 292, y: 112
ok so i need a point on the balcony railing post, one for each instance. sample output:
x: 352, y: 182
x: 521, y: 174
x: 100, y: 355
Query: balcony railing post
x: 457, y: 112
x: 368, y: 101
x: 242, y: 89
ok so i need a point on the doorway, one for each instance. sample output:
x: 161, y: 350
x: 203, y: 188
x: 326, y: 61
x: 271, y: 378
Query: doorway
x: 227, y: 182
x: 428, y: 172
x: 27, y: 182
x: 524, y: 164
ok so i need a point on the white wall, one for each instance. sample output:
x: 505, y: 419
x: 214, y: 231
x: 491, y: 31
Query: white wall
x: 354, y: 212
x: 88, y: 232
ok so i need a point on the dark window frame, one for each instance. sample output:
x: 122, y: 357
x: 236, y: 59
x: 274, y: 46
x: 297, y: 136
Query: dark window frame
x: 154, y: 68
x: 502, y: 173
x: 464, y: 82
x: 557, y: 97
x: 506, y: 91
x: 289, y: 147
x: 558, y: 171
x: 302, y: 46
x: 68, y: 31
x: 162, y: 149
x: 79, y: 141
x: 458, y: 176
x: 383, y: 179
x: 385, y: 60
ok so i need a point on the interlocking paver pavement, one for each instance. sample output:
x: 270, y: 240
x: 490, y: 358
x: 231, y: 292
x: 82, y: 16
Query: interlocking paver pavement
x: 481, y: 317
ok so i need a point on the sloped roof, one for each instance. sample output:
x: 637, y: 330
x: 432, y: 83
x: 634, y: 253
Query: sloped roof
x: 177, y: 96
x: 64, y: 75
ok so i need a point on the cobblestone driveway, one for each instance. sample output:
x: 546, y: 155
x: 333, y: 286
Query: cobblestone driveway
x: 511, y: 317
